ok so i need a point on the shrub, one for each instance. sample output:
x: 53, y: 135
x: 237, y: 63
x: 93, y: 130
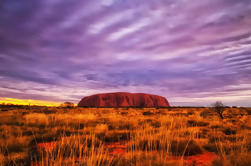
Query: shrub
x: 114, y: 136
x: 185, y: 147
x: 205, y: 113
x: 36, y: 119
x: 12, y: 144
x: 211, y: 147
x: 236, y: 160
x: 219, y: 108
x: 67, y: 104
x: 196, y: 123
x: 229, y: 131
x: 148, y: 113
x: 101, y: 128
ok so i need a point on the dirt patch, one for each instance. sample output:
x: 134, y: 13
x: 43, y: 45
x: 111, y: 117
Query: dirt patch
x: 47, y: 146
x: 116, y: 148
x: 204, y: 159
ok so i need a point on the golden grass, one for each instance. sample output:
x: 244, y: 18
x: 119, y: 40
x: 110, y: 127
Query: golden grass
x: 146, y: 136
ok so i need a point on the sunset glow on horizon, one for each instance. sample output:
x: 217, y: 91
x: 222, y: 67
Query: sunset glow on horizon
x: 31, y: 102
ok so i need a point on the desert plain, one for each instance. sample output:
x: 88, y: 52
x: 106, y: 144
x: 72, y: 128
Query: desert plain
x: 35, y: 135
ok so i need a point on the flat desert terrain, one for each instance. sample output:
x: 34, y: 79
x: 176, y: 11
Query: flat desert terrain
x: 31, y: 135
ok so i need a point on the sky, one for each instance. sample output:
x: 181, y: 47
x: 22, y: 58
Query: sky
x: 193, y: 52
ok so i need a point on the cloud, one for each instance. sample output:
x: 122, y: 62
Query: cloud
x: 195, y: 52
x: 130, y: 29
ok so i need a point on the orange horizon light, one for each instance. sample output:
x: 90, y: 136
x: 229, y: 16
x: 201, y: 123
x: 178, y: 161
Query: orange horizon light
x: 28, y: 102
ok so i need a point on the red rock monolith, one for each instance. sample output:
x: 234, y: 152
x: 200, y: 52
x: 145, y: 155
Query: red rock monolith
x: 124, y: 99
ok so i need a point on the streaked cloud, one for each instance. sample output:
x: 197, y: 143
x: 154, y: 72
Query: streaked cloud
x: 193, y: 53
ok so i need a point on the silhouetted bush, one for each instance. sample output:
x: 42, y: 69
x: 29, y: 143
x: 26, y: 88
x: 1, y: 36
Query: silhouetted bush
x: 219, y: 107
x: 67, y: 104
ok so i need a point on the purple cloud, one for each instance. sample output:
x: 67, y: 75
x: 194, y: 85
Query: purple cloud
x: 191, y: 53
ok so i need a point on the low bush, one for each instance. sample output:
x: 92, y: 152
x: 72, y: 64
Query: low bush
x: 185, y: 147
x: 229, y: 131
x: 191, y: 123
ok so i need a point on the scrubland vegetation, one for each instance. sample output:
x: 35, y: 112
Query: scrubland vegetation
x: 124, y: 136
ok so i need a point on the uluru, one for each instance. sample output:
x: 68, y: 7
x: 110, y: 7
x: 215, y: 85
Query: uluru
x: 123, y: 99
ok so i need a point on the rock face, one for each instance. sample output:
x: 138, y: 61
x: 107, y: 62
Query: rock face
x: 123, y: 99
